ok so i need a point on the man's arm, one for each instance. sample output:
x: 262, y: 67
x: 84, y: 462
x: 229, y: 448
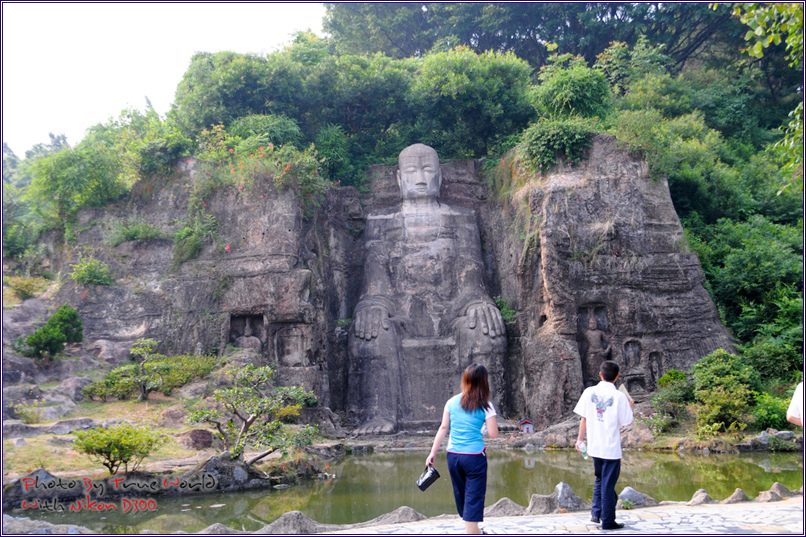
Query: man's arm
x: 583, y: 429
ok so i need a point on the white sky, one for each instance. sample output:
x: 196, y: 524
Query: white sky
x: 69, y: 66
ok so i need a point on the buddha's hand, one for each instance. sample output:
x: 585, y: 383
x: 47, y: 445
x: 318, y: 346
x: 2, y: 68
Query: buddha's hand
x: 368, y: 322
x: 487, y: 317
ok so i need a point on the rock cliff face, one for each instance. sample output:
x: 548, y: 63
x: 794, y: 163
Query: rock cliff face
x: 604, y: 274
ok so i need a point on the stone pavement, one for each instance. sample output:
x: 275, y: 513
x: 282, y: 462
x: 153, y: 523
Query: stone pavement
x: 782, y: 517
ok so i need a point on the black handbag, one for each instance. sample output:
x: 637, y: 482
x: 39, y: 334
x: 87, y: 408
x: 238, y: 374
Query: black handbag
x: 428, y: 476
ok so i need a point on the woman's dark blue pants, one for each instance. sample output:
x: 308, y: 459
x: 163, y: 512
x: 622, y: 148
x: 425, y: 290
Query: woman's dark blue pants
x: 469, y: 478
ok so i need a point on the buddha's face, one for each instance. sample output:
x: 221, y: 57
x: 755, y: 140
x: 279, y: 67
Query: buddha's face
x: 418, y: 176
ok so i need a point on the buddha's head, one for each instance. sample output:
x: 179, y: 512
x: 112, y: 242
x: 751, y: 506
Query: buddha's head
x: 419, y: 176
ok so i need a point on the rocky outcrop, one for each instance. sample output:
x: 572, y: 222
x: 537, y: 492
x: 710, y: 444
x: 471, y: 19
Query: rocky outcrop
x: 18, y: 429
x: 605, y: 244
x: 600, y: 270
x: 563, y: 498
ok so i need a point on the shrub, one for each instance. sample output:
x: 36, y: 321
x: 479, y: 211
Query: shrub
x: 333, y: 146
x: 262, y: 130
x: 48, y: 339
x: 658, y: 422
x: 118, y: 445
x: 770, y: 411
x: 26, y: 288
x: 773, y: 361
x: 133, y: 229
x: 671, y: 377
x: 261, y: 410
x: 189, y: 239
x: 544, y: 140
x: 29, y: 413
x: 66, y: 319
x: 721, y: 369
x: 91, y: 271
x: 572, y: 90
x: 723, y: 386
x: 156, y: 373
x: 507, y: 312
x: 720, y: 405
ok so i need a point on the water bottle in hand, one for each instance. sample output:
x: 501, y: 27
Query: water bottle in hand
x: 583, y: 447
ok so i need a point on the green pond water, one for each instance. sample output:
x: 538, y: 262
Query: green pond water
x: 370, y: 485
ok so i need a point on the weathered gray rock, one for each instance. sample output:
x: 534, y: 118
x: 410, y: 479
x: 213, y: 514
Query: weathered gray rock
x: 17, y: 429
x: 563, y: 497
x: 609, y: 247
x: 195, y: 390
x: 784, y: 435
x: 567, y: 498
x: 631, y: 495
x: 76, y: 424
x: 400, y: 515
x: 20, y: 395
x: 564, y: 434
x: 296, y: 523
x: 638, y: 499
x: 768, y: 496
x: 174, y: 416
x: 220, y: 529
x: 504, y: 507
x: 738, y: 496
x: 73, y: 386
x: 761, y: 441
x: 232, y: 474
x: 20, y: 442
x: 196, y: 439
x: 542, y: 504
x: 700, y: 497
x: 784, y: 492
x: 24, y: 525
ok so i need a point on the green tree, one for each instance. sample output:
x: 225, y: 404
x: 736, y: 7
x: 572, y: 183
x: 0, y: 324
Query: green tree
x: 723, y: 386
x: 254, y: 412
x: 771, y: 24
x: 48, y: 339
x: 65, y: 181
x: 149, y: 371
x: 399, y: 30
x: 67, y: 321
x: 118, y: 445
x: 466, y: 103
x: 62, y: 327
x: 568, y: 87
x: 219, y: 88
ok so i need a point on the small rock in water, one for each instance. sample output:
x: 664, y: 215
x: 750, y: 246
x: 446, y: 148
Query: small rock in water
x: 217, y: 505
x: 282, y: 486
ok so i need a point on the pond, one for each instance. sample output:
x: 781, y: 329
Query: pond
x: 367, y: 486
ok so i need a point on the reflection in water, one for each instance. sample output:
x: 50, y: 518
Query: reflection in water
x: 370, y: 485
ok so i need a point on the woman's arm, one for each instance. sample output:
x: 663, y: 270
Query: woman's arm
x: 441, y: 434
x: 492, y: 427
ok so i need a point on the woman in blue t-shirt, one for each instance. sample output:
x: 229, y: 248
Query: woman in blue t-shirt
x: 465, y: 416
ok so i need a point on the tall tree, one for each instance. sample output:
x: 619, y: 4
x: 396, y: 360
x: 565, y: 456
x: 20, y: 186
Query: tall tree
x: 399, y: 30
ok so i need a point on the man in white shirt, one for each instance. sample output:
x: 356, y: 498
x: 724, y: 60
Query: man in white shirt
x: 794, y: 414
x: 604, y: 410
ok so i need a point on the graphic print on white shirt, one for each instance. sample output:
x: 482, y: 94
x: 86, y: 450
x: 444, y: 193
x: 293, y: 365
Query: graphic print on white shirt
x: 601, y: 405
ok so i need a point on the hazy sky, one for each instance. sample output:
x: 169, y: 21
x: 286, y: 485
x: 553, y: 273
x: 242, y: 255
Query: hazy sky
x: 69, y: 66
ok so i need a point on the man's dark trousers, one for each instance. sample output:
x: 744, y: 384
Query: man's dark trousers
x: 604, y: 490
